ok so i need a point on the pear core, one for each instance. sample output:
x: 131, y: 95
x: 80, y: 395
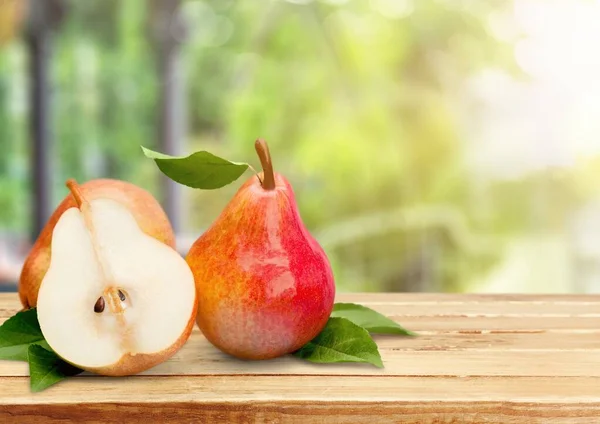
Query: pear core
x: 147, y: 289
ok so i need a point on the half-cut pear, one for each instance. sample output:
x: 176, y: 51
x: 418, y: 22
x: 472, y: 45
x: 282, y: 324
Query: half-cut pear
x: 114, y: 300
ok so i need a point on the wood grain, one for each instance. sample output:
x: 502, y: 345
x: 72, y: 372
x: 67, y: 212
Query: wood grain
x: 479, y: 358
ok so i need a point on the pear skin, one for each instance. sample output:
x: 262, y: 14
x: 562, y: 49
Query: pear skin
x: 145, y: 208
x: 264, y: 285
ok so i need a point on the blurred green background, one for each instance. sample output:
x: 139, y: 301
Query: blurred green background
x: 434, y: 145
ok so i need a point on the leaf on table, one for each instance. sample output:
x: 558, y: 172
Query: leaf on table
x: 201, y: 170
x: 341, y: 341
x: 47, y: 369
x: 18, y: 333
x: 370, y: 320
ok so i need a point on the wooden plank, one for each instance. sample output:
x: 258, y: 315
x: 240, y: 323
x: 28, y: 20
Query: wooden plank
x: 400, y: 305
x: 520, y: 359
x: 297, y: 412
x: 496, y: 324
x: 199, y: 357
x: 464, y: 297
x: 198, y: 349
x: 460, y: 323
x: 479, y: 346
x: 245, y: 399
x: 399, y: 363
x: 140, y: 389
x: 488, y: 309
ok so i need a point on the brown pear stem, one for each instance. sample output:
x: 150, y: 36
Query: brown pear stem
x: 77, y: 194
x: 84, y: 207
x: 268, y: 181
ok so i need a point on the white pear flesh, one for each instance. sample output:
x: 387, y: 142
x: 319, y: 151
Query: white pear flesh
x: 111, y: 254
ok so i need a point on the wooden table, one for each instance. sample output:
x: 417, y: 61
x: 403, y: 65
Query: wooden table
x: 480, y: 358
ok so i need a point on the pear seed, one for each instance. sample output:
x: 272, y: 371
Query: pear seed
x: 99, y: 306
x: 122, y: 296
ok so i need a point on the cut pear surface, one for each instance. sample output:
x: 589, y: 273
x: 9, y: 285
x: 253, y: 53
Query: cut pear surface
x: 111, y: 291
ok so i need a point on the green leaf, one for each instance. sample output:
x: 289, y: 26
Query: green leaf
x: 199, y: 170
x: 369, y: 319
x: 18, y: 333
x: 47, y: 369
x: 341, y: 341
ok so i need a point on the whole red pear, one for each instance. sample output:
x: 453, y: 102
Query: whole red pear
x: 265, y: 287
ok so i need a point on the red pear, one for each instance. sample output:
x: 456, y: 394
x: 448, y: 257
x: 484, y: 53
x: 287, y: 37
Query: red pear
x: 265, y: 287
